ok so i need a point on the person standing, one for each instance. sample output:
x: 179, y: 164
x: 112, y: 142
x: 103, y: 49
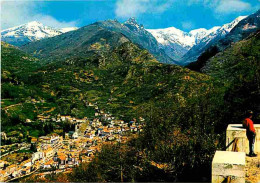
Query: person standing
x: 250, y: 132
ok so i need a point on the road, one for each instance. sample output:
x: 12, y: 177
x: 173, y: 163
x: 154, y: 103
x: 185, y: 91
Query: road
x: 11, y: 106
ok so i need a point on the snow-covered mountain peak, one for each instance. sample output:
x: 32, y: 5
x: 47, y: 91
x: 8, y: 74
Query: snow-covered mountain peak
x: 174, y: 35
x: 170, y: 30
x: 221, y: 31
x: 198, y: 31
x: 26, y: 25
x: 189, y: 39
x: 198, y: 34
x: 232, y: 24
x: 172, y: 39
x: 31, y: 31
x: 238, y: 19
x: 214, y: 35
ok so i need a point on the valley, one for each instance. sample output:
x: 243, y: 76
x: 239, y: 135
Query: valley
x: 107, y: 102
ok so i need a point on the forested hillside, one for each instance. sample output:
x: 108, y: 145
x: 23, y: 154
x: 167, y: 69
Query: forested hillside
x: 239, y: 68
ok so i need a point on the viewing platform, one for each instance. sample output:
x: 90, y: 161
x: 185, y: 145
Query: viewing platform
x: 237, y: 131
x: 234, y: 165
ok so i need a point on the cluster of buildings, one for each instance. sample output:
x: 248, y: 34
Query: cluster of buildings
x: 8, y: 171
x: 60, y: 118
x: 79, y: 146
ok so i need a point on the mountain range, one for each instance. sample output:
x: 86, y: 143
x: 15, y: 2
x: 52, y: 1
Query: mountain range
x: 169, y: 45
x: 138, y: 35
x: 187, y: 46
x: 242, y: 30
x: 98, y: 38
x: 176, y: 42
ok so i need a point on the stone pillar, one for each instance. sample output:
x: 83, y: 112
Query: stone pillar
x: 228, y: 165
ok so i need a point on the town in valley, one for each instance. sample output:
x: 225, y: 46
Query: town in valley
x: 57, y: 153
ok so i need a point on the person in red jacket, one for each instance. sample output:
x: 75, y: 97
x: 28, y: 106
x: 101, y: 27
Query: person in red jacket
x: 250, y: 132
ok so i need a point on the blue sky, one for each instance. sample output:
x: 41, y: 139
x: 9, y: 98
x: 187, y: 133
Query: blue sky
x: 183, y: 14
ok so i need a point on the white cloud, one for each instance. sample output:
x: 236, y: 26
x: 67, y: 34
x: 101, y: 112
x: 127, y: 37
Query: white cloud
x: 14, y: 13
x: 223, y: 6
x: 206, y: 3
x: 130, y: 8
x: 232, y: 6
x: 51, y: 21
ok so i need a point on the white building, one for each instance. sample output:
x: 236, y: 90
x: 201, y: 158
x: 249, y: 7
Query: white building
x: 37, y: 156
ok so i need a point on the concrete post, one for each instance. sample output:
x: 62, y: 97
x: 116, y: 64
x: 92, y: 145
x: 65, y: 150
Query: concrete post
x: 228, y: 165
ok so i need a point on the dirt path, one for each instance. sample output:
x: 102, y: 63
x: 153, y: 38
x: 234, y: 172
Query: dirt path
x: 253, y: 169
x: 11, y: 106
x: 45, y: 112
